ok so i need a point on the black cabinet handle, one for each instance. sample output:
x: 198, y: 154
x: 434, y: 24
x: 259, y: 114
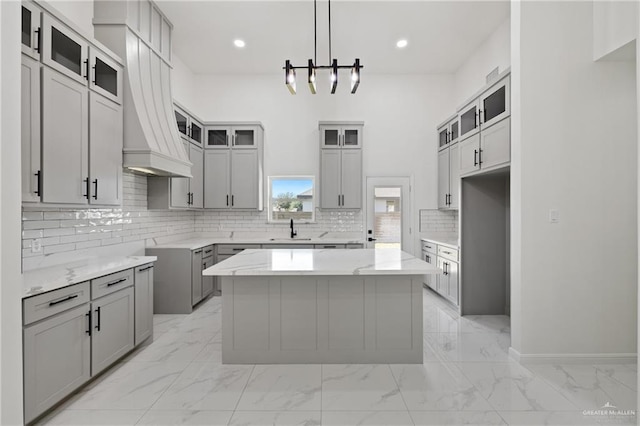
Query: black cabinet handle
x: 95, y: 189
x: 208, y: 251
x: 93, y: 79
x: 66, y: 299
x: 86, y: 183
x: 480, y: 116
x: 145, y: 269
x: 98, y: 320
x: 475, y: 122
x: 198, y: 251
x: 88, y: 330
x: 86, y: 64
x: 338, y: 199
x: 121, y: 280
x: 480, y: 157
x: 37, y: 49
x: 189, y: 131
x: 227, y: 199
x: 371, y: 239
x: 342, y: 200
x: 329, y: 246
x: 232, y: 197
x: 475, y: 157
x: 37, y: 175
x: 238, y: 249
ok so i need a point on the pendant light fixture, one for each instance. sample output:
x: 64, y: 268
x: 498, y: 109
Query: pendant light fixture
x: 312, y: 65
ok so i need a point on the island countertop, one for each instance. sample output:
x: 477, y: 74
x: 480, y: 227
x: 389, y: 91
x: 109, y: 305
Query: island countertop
x: 274, y: 262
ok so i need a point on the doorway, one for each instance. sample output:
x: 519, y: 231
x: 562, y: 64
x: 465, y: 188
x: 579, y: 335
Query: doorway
x: 388, y: 213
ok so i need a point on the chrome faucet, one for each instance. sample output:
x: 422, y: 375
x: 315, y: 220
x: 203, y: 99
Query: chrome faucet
x: 293, y: 233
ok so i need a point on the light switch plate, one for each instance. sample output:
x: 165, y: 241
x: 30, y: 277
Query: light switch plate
x: 554, y: 216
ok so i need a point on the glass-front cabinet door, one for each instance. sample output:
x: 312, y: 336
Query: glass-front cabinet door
x: 31, y: 33
x: 443, y: 137
x: 243, y: 137
x: 182, y: 122
x: 330, y: 137
x: 218, y: 137
x: 468, y: 118
x: 195, y: 131
x: 106, y: 76
x: 64, y: 50
x: 495, y: 103
x: 454, y: 132
x: 351, y: 137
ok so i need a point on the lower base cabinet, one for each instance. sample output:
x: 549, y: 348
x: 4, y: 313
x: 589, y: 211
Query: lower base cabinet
x: 207, y: 282
x: 448, y: 281
x: 143, y: 295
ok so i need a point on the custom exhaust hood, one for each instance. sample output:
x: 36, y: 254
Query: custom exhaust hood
x: 139, y: 32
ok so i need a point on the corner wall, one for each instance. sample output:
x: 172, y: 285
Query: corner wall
x: 575, y: 149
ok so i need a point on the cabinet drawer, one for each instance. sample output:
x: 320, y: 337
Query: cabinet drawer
x: 44, y: 305
x: 207, y: 251
x: 110, y: 283
x: 236, y: 248
x: 329, y: 246
x: 429, y: 247
x: 448, y: 253
x: 355, y: 246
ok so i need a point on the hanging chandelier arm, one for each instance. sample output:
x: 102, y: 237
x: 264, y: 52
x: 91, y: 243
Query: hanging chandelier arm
x: 315, y: 34
x: 323, y: 67
x: 330, y: 31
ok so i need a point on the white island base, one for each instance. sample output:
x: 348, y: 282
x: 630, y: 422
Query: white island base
x: 322, y: 319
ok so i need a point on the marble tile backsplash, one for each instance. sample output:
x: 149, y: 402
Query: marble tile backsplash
x: 439, y: 221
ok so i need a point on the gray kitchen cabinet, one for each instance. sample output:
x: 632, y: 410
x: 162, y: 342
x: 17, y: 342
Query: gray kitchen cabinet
x: 429, y: 255
x: 179, y: 193
x: 208, y: 283
x: 196, y: 276
x: 448, y: 280
x: 469, y: 150
x: 443, y: 179
x: 233, y: 166
x: 143, y: 296
x: 454, y: 176
x: 105, y: 150
x: 448, y: 132
x: 495, y: 103
x: 65, y: 139
x: 113, y: 328
x: 448, y: 164
x: 196, y: 183
x: 340, y: 165
x: 56, y: 359
x: 64, y: 50
x: 105, y: 76
x: 31, y: 28
x: 30, y: 128
x: 189, y: 127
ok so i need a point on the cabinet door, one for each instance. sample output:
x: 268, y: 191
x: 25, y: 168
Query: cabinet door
x: 218, y: 137
x: 330, y: 137
x: 56, y: 359
x: 113, y: 328
x: 30, y: 128
x: 216, y: 175
x: 330, y: 194
x: 105, y: 153
x: 106, y: 76
x: 454, y: 176
x: 351, y: 179
x: 64, y: 50
x: 452, y: 274
x: 65, y: 139
x: 443, y: 179
x: 351, y: 137
x: 180, y: 196
x: 469, y: 155
x: 195, y: 131
x: 196, y: 155
x: 31, y: 37
x: 495, y: 143
x: 443, y: 137
x: 454, y: 131
x: 182, y: 121
x: 143, y: 303
x: 196, y: 276
x: 244, y: 137
x: 207, y: 282
x: 244, y: 179
x: 468, y: 118
x: 495, y: 103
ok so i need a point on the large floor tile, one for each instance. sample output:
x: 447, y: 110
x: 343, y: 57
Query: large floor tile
x: 165, y: 322
x: 485, y: 324
x: 173, y: 346
x: 467, y: 347
x: 93, y: 417
x: 438, y: 320
x: 276, y: 418
x: 360, y: 387
x: 206, y: 387
x: 366, y: 418
x: 590, y: 387
x: 455, y: 418
x: 202, y: 323
x: 510, y: 387
x: 186, y: 417
x: 212, y: 353
x: 282, y: 388
x: 437, y: 387
x: 626, y: 374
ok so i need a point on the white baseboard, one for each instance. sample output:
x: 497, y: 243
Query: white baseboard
x: 615, y: 358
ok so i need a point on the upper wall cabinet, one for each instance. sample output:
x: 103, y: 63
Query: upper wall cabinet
x: 491, y: 106
x: 189, y: 127
x: 31, y: 30
x: 64, y: 50
x: 341, y: 136
x: 236, y: 137
x: 30, y: 128
x: 105, y: 76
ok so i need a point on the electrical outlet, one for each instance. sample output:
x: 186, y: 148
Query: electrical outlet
x: 36, y: 245
x: 554, y: 216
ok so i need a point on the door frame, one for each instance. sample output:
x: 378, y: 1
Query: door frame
x: 406, y: 200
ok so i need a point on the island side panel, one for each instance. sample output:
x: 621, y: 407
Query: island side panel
x: 319, y: 319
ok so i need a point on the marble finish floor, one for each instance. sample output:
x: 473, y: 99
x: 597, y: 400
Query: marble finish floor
x: 466, y: 378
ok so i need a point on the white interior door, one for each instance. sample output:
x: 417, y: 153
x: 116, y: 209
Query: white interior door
x: 388, y: 213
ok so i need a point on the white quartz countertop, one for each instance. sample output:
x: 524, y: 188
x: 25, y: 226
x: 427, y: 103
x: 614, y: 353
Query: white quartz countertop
x: 52, y: 278
x: 447, y: 240
x: 269, y: 262
x: 196, y: 243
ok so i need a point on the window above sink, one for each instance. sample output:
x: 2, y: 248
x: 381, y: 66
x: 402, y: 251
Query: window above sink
x: 291, y: 197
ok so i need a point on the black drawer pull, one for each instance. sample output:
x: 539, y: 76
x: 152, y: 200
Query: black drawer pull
x: 88, y: 330
x: 145, y: 269
x: 98, y: 320
x: 66, y: 299
x: 116, y: 282
x: 198, y: 251
x: 238, y: 249
x: 208, y: 251
x: 329, y: 246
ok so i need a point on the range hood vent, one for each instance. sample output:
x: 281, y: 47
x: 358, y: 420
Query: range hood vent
x: 139, y: 32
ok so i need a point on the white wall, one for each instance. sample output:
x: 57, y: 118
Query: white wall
x: 614, y: 25
x: 10, y: 193
x: 80, y: 12
x: 183, y: 88
x: 493, y: 52
x: 400, y: 115
x: 574, y: 149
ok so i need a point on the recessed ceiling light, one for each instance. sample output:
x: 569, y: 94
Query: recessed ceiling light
x: 239, y: 43
x: 402, y: 43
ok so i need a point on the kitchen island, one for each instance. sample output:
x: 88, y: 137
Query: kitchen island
x: 321, y: 306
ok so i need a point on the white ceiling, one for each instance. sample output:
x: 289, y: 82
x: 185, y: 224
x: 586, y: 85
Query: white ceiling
x: 441, y: 34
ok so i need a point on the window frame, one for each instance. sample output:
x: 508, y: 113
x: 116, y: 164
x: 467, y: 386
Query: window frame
x: 270, y: 180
